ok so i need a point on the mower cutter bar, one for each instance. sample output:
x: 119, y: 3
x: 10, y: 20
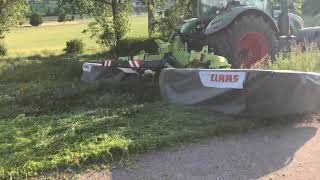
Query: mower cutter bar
x: 154, y: 65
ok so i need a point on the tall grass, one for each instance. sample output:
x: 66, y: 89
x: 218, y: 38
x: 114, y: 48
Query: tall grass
x: 296, y: 60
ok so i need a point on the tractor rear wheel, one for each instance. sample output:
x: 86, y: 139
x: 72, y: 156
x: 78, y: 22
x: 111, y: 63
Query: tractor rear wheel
x: 246, y: 41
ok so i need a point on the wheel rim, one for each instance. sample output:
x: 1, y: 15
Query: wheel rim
x: 251, y: 48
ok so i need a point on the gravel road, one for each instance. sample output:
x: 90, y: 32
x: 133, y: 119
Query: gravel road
x: 274, y: 153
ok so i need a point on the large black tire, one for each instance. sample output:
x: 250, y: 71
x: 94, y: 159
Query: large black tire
x: 225, y: 42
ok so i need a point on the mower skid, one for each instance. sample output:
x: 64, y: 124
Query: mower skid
x: 118, y: 71
x: 94, y: 72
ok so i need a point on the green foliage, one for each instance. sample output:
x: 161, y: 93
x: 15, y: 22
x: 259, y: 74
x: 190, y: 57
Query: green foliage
x: 169, y: 22
x: 70, y: 7
x: 102, y: 30
x: 36, y: 19
x: 296, y: 60
x: 44, y: 8
x: 110, y: 31
x: 11, y: 14
x: 74, y: 47
x: 171, y: 18
x: 296, y: 6
x: 132, y: 46
x: 3, y: 49
x: 111, y: 19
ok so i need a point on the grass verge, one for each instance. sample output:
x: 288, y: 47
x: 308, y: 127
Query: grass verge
x: 49, y: 120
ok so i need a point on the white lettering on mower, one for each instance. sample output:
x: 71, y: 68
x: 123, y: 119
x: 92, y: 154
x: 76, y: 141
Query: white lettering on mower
x: 216, y: 79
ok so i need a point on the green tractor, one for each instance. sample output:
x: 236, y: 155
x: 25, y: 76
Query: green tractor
x: 243, y: 31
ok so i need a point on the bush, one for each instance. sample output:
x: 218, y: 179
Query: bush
x: 3, y: 49
x: 74, y: 47
x: 132, y: 46
x: 36, y: 19
x: 62, y: 17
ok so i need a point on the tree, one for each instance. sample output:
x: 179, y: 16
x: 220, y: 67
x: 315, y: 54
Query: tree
x: 12, y: 12
x: 69, y: 7
x: 296, y: 5
x: 111, y: 19
x: 158, y: 22
x: 172, y: 17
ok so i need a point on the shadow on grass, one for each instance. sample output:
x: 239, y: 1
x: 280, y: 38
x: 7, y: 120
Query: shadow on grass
x: 51, y: 85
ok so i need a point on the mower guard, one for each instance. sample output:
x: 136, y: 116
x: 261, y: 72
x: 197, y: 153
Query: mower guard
x: 256, y: 93
x: 95, y: 73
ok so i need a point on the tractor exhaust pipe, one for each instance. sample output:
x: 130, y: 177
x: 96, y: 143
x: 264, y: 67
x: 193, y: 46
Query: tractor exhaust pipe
x: 283, y: 22
x: 286, y: 40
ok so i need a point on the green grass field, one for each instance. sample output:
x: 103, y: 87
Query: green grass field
x: 51, y: 37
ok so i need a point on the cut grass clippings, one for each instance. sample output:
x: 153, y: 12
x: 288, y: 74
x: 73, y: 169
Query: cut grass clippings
x: 33, y: 145
x: 49, y: 120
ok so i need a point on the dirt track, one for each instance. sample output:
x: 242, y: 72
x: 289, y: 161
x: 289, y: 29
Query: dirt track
x: 275, y: 153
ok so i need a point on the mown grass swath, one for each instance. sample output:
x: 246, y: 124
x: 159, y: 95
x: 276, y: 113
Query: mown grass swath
x: 50, y: 120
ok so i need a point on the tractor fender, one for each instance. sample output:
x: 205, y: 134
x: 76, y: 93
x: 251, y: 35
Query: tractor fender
x: 223, y: 21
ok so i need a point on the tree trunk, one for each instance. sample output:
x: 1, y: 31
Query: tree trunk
x: 194, y: 8
x: 151, y: 14
x: 114, y: 4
